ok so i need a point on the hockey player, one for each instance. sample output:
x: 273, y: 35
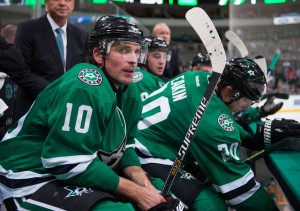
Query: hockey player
x: 166, y: 119
x: 201, y: 62
x: 72, y: 151
x: 254, y: 114
x: 148, y: 77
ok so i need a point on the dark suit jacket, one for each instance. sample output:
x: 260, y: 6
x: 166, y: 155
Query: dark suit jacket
x: 37, y: 42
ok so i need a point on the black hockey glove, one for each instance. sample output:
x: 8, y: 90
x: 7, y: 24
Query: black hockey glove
x: 276, y: 130
x: 269, y: 107
x: 171, y: 205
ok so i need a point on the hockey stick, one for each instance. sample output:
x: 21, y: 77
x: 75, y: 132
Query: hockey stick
x: 237, y: 42
x: 262, y: 63
x: 285, y: 144
x: 207, y: 32
x: 279, y: 95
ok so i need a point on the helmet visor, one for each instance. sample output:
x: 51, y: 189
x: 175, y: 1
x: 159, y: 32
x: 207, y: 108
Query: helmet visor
x: 255, y: 89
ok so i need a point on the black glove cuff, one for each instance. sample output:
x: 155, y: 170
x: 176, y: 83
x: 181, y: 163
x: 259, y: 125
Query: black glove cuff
x: 172, y: 204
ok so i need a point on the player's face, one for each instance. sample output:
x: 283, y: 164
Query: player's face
x: 59, y: 9
x: 121, y: 62
x: 241, y: 104
x: 156, y: 62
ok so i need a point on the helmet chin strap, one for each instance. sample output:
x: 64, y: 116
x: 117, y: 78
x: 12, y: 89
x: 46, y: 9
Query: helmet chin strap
x: 236, y: 95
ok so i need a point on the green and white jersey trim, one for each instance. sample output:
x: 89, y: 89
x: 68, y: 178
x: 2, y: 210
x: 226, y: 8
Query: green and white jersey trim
x: 33, y: 205
x: 11, y: 134
x: 148, y: 157
x: 22, y: 189
x: 81, y: 162
x: 232, y: 186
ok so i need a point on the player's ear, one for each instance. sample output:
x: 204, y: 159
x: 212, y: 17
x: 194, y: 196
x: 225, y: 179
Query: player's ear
x: 227, y: 93
x: 98, y: 57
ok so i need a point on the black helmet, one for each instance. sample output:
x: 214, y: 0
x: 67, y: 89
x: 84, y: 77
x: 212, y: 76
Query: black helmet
x: 200, y: 59
x: 109, y: 28
x: 156, y: 44
x: 246, y: 78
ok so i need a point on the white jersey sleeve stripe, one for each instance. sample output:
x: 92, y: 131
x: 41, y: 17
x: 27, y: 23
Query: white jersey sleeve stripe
x: 235, y: 184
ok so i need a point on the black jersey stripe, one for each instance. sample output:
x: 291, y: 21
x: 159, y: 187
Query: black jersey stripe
x: 20, y: 183
x: 140, y: 154
x: 240, y: 190
x: 61, y: 169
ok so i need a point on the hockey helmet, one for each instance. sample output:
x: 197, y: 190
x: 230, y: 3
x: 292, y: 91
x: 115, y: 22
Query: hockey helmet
x: 110, y: 28
x: 156, y: 44
x: 200, y: 59
x: 245, y: 77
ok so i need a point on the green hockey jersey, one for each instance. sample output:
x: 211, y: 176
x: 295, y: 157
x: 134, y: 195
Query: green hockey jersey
x: 166, y: 117
x: 146, y: 82
x: 74, y: 132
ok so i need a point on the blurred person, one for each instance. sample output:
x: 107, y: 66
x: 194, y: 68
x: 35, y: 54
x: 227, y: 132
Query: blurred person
x: 165, y: 127
x: 148, y: 77
x: 50, y: 45
x: 201, y: 62
x: 73, y: 149
x: 292, y: 79
x: 11, y: 59
x: 173, y: 62
x: 9, y: 89
x: 9, y: 32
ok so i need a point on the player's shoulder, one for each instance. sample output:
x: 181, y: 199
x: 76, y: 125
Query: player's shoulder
x: 87, y: 77
x: 140, y: 75
x: 131, y: 91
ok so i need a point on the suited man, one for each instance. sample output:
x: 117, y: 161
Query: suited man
x: 45, y: 61
x: 163, y: 31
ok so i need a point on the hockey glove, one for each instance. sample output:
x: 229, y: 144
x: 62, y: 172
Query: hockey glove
x: 276, y: 130
x: 171, y: 205
x: 269, y: 107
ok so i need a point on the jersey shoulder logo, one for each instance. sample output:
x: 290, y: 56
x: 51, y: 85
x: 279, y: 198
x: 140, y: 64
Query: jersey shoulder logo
x: 226, y: 122
x: 90, y: 76
x: 138, y: 76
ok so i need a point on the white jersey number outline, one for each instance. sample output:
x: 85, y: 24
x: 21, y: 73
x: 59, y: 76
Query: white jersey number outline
x: 79, y: 127
x: 164, y: 110
x: 228, y: 153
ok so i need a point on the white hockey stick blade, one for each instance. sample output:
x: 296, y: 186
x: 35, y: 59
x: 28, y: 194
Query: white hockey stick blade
x: 209, y: 36
x: 262, y: 63
x: 237, y: 42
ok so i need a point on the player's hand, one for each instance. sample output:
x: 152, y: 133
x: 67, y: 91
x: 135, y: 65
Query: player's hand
x: 276, y: 130
x: 148, y: 198
x: 170, y: 205
x: 269, y: 107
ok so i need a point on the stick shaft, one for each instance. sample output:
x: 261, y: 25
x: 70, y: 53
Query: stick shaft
x: 285, y: 144
x: 191, y: 132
